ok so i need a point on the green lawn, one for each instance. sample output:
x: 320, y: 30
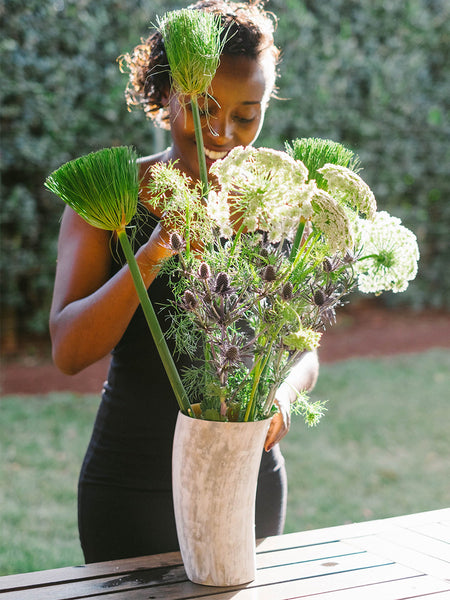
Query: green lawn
x: 382, y: 449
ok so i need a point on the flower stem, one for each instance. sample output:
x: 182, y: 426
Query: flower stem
x: 199, y: 140
x: 297, y: 240
x: 154, y: 325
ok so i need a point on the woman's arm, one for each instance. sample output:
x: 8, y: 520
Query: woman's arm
x: 91, y: 311
x: 302, y: 377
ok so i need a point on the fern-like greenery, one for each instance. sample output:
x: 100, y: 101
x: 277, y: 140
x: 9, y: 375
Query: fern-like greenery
x: 317, y: 152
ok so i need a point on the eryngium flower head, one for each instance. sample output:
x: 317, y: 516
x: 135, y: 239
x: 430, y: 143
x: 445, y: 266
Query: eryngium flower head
x: 204, y: 272
x: 269, y: 273
x: 189, y: 300
x: 286, y: 291
x: 319, y: 297
x: 222, y: 284
x: 176, y: 242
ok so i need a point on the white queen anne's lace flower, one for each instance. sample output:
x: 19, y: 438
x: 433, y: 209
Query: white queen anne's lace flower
x: 348, y: 185
x: 392, y: 254
x: 218, y: 211
x: 332, y: 220
x: 266, y: 188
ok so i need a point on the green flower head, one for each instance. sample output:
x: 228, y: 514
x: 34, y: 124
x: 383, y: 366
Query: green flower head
x: 102, y: 187
x: 193, y: 44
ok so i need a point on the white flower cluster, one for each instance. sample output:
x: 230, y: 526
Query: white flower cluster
x: 389, y: 254
x: 332, y: 220
x: 351, y: 188
x: 266, y: 188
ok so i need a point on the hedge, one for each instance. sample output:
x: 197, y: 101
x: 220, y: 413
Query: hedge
x: 368, y: 73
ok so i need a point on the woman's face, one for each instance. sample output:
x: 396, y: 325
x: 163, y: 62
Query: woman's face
x: 236, y: 113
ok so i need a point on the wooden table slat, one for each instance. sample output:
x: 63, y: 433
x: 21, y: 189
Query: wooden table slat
x: 177, y: 577
x: 392, y: 559
x: 402, y: 555
x: 437, y: 531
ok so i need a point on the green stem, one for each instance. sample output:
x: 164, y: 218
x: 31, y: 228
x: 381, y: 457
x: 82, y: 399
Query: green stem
x: 199, y: 140
x: 297, y: 241
x: 154, y: 325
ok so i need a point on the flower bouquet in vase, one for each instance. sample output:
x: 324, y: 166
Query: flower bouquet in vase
x: 263, y: 257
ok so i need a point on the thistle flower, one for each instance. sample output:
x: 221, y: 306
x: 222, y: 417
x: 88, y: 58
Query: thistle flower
x: 176, y: 242
x: 189, y: 300
x: 287, y: 291
x: 204, y: 272
x: 269, y: 273
x: 390, y: 254
x: 222, y: 286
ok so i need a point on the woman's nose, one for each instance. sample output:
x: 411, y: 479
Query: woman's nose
x: 221, y: 128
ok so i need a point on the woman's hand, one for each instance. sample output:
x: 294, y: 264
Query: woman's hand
x: 281, y: 421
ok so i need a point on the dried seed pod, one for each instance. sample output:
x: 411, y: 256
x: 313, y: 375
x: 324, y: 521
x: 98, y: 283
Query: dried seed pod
x: 286, y: 292
x: 269, y: 273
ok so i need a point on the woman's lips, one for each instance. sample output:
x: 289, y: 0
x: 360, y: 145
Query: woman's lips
x: 212, y: 155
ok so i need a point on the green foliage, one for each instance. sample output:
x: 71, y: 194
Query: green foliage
x: 62, y: 96
x: 371, y: 75
x: 374, y: 76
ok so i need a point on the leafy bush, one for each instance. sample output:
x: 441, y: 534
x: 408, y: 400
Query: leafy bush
x: 368, y: 74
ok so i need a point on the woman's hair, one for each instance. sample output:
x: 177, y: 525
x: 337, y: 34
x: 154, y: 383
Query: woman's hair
x: 249, y: 32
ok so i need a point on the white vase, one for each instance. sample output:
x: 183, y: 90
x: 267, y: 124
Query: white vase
x: 214, y: 474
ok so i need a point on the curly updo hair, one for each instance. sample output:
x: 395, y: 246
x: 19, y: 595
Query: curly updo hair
x: 249, y: 32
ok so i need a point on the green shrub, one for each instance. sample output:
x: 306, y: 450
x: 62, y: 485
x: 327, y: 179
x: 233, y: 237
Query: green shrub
x: 369, y: 74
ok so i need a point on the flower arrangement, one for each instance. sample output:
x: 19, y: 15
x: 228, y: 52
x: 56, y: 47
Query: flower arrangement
x: 255, y: 300
x: 285, y: 236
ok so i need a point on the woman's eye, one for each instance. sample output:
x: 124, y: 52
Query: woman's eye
x: 242, y: 119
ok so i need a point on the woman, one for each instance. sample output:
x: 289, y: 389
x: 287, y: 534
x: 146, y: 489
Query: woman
x: 125, y: 499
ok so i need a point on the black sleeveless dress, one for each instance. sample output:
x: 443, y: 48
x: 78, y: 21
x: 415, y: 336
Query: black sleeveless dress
x: 125, y: 491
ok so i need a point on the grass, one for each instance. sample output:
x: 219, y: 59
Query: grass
x: 381, y: 450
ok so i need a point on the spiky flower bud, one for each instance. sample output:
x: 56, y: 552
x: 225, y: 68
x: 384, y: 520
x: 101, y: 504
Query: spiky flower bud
x: 327, y: 265
x: 269, y: 273
x: 319, y: 297
x: 232, y: 354
x: 190, y: 301
x: 286, y: 292
x: 204, y: 272
x: 176, y: 241
x: 264, y: 253
x: 222, y: 284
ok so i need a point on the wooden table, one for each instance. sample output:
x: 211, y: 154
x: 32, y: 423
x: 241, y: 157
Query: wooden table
x: 389, y: 559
